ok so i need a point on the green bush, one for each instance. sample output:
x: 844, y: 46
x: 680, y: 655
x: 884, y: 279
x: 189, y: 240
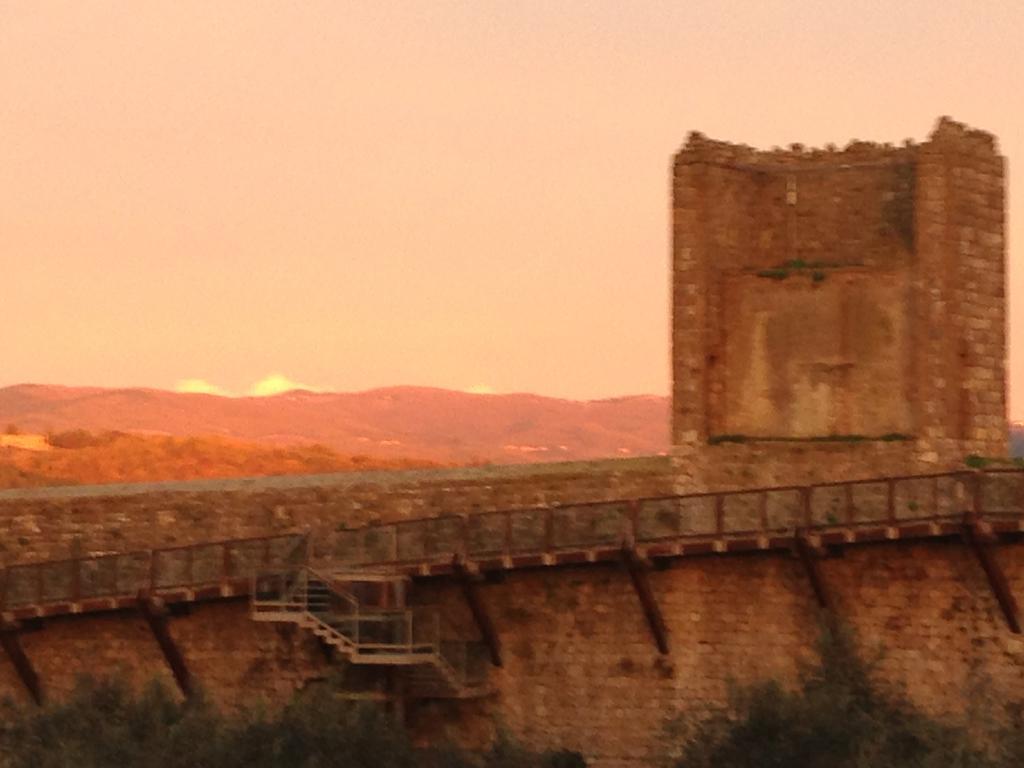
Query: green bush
x: 104, y: 724
x: 505, y: 753
x: 839, y: 716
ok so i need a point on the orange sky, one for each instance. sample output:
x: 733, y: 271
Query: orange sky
x: 462, y: 194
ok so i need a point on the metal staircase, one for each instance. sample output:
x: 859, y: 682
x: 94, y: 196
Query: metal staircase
x: 330, y: 607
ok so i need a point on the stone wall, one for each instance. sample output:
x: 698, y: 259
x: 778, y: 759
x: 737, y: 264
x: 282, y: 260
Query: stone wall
x: 581, y: 670
x: 236, y: 662
x: 56, y: 523
x: 838, y: 294
x: 961, y: 248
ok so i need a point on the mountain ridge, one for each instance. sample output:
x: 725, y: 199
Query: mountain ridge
x: 428, y: 423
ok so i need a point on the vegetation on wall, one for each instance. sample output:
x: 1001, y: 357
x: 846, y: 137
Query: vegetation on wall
x: 892, y: 437
x: 974, y: 461
x: 816, y: 269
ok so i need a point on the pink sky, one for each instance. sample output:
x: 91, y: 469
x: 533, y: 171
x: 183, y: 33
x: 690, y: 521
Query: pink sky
x: 460, y: 194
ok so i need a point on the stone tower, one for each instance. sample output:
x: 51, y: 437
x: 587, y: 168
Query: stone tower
x: 837, y: 313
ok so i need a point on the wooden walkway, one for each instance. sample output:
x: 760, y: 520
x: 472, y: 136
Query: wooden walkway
x: 111, y: 582
x: 885, y: 509
x: 979, y: 508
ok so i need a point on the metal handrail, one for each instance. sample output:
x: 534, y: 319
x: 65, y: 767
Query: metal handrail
x: 74, y: 582
x: 533, y: 529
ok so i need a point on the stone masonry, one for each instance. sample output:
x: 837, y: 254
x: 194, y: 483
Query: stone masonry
x: 847, y: 304
x: 58, y: 523
x: 581, y: 671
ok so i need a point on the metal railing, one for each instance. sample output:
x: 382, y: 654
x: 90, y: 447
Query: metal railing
x: 122, y: 575
x: 762, y: 512
x: 891, y: 501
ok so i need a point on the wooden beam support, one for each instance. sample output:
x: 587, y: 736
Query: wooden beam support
x: 652, y: 612
x: 809, y: 559
x: 26, y: 672
x: 980, y: 542
x: 155, y: 613
x: 476, y: 606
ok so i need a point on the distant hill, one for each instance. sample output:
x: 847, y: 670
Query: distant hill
x: 397, y: 422
x: 79, y: 456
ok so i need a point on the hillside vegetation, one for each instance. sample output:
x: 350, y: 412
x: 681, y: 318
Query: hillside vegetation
x: 81, y: 457
x: 395, y: 422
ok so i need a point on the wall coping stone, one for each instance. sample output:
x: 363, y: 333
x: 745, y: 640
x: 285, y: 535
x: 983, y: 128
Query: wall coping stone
x: 412, y: 477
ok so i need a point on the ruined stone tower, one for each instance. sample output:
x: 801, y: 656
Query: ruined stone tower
x: 837, y: 313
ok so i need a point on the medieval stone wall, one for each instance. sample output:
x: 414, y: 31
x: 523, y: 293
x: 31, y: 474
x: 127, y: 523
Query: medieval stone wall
x: 58, y: 523
x: 236, y: 662
x: 581, y: 670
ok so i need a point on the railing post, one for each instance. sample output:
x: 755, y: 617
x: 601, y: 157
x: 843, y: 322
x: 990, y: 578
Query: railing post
x: 76, y: 570
x: 39, y: 585
x: 508, y: 534
x: 437, y: 631
x: 152, y: 571
x: 360, y: 547
x: 76, y: 580
x: 890, y: 485
x: 808, y: 509
x: 849, y: 504
x: 226, y: 565
x: 549, y: 529
x: 358, y: 623
x: 426, y: 536
x: 189, y: 563
x: 719, y: 514
x: 632, y: 527
x: 977, y: 502
x: 1020, y: 490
